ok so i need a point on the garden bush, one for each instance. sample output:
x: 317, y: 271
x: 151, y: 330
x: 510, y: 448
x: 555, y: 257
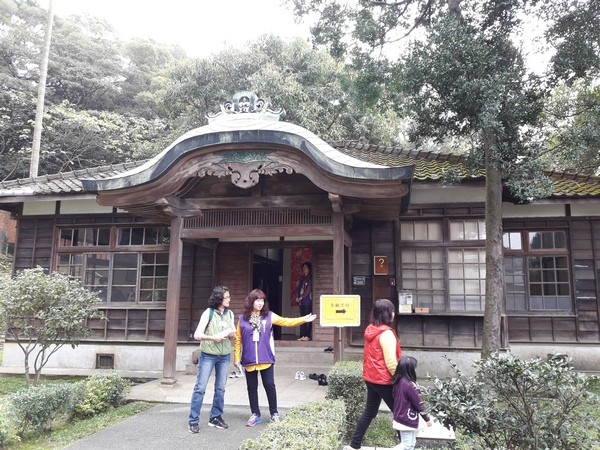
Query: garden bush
x: 8, y: 426
x: 513, y: 403
x: 345, y: 382
x: 299, y: 430
x: 99, y: 392
x: 34, y: 409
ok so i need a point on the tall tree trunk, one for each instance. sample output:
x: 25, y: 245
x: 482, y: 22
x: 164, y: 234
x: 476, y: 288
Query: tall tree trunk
x: 39, y: 112
x: 494, y: 260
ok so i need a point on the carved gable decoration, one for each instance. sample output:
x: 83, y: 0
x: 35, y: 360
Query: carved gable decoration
x: 245, y: 105
x: 245, y: 168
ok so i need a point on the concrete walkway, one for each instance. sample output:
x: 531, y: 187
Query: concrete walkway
x: 165, y: 425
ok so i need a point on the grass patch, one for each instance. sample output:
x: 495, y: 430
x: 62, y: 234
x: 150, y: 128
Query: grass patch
x: 65, y: 434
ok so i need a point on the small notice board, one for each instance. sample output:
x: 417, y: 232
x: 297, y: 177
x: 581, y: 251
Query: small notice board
x: 340, y: 311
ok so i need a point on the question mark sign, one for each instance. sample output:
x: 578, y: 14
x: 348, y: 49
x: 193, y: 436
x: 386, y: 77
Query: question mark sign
x: 381, y: 261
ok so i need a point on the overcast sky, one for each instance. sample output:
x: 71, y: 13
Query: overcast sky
x: 200, y: 27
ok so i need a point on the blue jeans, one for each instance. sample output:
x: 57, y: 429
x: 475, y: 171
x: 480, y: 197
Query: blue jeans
x: 408, y: 439
x: 206, y: 363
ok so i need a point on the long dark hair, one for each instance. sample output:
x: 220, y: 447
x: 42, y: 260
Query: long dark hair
x: 308, y: 265
x: 406, y: 369
x: 249, y: 303
x: 216, y: 298
x: 383, y: 312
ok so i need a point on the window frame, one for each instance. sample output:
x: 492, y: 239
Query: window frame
x: 526, y: 253
x: 446, y: 245
x: 114, y: 249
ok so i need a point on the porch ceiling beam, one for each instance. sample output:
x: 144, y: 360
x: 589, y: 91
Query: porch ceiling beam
x: 336, y: 202
x: 234, y: 232
x: 197, y: 205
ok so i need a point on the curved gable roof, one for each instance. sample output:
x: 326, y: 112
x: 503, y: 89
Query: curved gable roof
x: 254, y: 137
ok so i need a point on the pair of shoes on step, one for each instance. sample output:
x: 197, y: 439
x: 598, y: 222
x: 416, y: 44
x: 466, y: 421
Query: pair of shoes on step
x: 328, y: 350
x: 322, y: 380
x: 303, y: 338
x: 299, y: 376
x: 236, y: 374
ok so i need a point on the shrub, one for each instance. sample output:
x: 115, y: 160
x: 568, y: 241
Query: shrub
x: 345, y: 382
x: 8, y: 427
x: 99, y: 392
x: 513, y: 403
x: 300, y: 430
x: 34, y: 409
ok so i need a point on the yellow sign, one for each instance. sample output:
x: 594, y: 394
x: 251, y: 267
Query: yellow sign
x: 340, y: 311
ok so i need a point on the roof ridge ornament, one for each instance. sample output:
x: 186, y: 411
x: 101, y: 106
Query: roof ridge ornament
x: 246, y: 105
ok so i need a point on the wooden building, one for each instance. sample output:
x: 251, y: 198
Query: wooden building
x: 244, y: 200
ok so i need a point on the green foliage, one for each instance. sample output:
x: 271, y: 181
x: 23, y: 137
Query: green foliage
x: 8, y: 426
x: 317, y: 426
x: 44, y: 312
x: 345, y: 382
x: 572, y: 123
x: 100, y: 392
x: 310, y: 85
x: 34, y: 409
x: 31, y: 411
x: 380, y: 432
x: 513, y: 403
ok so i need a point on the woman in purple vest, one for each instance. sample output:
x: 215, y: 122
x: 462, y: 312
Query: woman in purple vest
x: 254, y: 348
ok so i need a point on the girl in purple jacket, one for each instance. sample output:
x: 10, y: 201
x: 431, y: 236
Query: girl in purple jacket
x: 408, y: 405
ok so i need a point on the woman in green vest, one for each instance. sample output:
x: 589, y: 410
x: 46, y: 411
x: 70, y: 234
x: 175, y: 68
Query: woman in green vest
x: 215, y: 332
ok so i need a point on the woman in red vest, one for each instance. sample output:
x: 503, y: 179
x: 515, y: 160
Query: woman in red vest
x: 381, y: 354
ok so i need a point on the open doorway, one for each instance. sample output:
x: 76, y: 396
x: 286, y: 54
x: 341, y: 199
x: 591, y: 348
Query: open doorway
x: 267, y: 269
x: 276, y: 272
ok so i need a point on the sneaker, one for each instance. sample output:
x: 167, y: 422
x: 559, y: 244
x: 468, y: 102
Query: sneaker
x: 233, y: 375
x: 297, y: 375
x: 194, y: 428
x: 275, y: 418
x: 218, y: 422
x: 301, y: 376
x: 253, y: 420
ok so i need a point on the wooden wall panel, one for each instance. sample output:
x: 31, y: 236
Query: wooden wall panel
x: 233, y: 270
x: 323, y: 284
x: 34, y: 243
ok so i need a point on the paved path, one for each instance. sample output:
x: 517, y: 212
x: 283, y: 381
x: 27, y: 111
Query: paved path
x: 164, y: 426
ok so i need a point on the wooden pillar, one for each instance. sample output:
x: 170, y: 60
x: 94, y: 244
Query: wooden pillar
x: 172, y: 313
x: 338, y: 277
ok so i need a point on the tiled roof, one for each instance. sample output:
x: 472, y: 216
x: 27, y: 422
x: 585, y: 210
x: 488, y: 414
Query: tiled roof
x: 62, y: 183
x: 430, y: 166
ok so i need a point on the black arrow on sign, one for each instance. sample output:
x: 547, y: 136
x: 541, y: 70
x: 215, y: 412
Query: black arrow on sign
x: 340, y: 311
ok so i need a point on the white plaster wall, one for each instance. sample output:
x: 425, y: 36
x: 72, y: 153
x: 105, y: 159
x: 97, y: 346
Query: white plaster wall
x: 87, y: 206
x: 430, y: 194
x: 585, y: 357
x: 130, y: 357
x: 543, y: 210
x: 38, y: 208
x: 586, y: 209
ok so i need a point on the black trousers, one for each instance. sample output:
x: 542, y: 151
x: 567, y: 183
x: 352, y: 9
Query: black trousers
x: 306, y: 328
